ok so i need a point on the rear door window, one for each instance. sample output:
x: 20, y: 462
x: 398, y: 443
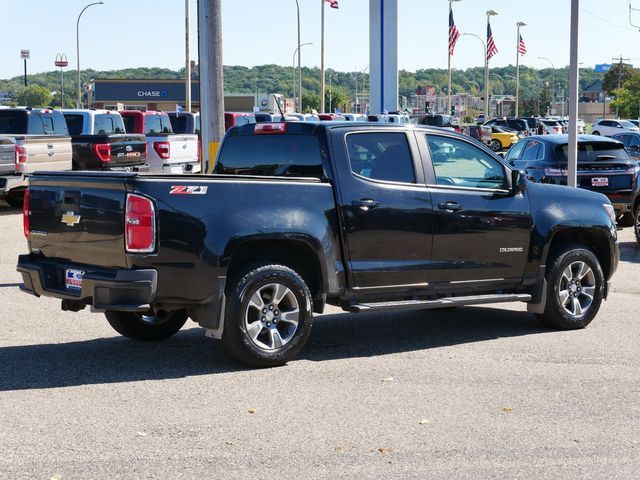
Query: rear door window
x: 381, y: 156
x: 74, y: 123
x: 271, y: 155
x: 13, y: 122
x: 107, y: 124
x: 533, y: 151
x: 152, y: 124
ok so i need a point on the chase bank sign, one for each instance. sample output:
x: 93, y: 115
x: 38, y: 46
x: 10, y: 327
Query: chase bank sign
x: 152, y: 93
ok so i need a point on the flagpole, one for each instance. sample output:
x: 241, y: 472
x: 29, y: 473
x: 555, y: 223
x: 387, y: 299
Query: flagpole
x: 322, y: 87
x: 449, y: 61
x: 519, y: 24
x: 490, y: 13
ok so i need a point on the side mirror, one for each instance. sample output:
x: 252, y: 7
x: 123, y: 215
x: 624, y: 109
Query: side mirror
x: 518, y: 181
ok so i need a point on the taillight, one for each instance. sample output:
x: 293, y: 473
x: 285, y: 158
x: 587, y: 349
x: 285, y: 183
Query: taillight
x: 102, y: 151
x: 25, y: 214
x: 163, y: 149
x: 555, y: 172
x: 21, y: 156
x: 140, y: 224
x: 270, y: 128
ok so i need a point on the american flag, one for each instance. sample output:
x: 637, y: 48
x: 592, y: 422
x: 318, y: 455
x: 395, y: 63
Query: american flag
x: 453, y: 33
x: 332, y: 3
x: 522, y: 48
x: 491, y: 45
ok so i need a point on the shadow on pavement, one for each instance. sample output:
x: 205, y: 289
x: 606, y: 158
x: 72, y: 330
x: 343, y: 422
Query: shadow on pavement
x: 630, y: 252
x: 189, y: 353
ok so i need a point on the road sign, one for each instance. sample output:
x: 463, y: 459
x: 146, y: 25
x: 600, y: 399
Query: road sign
x: 25, y: 54
x: 430, y: 90
x: 602, y: 67
x: 61, y: 60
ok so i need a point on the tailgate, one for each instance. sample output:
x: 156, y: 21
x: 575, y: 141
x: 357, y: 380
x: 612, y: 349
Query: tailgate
x: 7, y: 155
x: 128, y: 150
x: 605, y: 177
x: 79, y: 217
x: 184, y: 149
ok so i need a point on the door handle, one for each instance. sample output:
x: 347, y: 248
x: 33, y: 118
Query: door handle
x: 450, y: 207
x: 365, y: 204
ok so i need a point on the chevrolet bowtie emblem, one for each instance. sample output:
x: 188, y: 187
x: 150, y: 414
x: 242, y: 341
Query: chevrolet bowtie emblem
x: 70, y: 219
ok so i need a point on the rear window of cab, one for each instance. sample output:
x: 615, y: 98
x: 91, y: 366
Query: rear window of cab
x: 285, y: 155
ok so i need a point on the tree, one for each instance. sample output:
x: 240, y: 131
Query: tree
x: 610, y: 81
x: 34, y: 96
x: 336, y: 97
x: 310, y: 101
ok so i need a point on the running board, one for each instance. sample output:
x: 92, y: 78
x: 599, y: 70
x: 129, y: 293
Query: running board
x: 440, y: 303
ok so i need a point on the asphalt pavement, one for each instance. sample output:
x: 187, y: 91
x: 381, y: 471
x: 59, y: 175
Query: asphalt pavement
x: 474, y: 392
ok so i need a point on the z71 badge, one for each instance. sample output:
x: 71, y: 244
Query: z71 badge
x: 188, y: 190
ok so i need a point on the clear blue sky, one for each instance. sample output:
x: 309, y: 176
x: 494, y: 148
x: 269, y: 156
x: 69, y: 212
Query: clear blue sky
x: 136, y: 33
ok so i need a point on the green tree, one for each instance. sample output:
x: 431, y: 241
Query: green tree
x: 610, y: 81
x: 336, y: 97
x: 34, y: 96
x: 310, y: 101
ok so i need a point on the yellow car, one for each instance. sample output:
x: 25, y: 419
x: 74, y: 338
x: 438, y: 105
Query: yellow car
x: 502, y: 139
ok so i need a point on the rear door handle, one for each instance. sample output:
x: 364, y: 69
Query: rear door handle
x: 450, y: 207
x: 365, y: 204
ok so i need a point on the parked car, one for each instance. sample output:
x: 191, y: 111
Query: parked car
x: 100, y: 142
x: 631, y: 142
x: 272, y: 117
x: 635, y: 122
x: 520, y: 125
x: 611, y: 127
x: 603, y: 166
x: 502, y: 138
x: 354, y: 117
x: 552, y: 127
x: 40, y: 141
x: 302, y: 117
x: 232, y: 119
x: 303, y: 214
x: 328, y: 117
x: 397, y: 118
x: 167, y: 152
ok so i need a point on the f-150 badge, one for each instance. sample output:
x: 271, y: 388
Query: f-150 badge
x: 70, y: 219
x: 188, y: 190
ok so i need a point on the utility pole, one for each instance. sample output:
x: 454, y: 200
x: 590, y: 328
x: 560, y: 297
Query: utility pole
x: 211, y: 79
x: 620, y: 61
x: 187, y: 62
x: 572, y: 153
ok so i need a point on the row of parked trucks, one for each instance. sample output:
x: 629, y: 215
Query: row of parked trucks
x: 55, y: 140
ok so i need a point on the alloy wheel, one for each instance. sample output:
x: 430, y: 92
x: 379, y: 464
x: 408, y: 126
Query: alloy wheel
x: 271, y: 316
x: 577, y: 288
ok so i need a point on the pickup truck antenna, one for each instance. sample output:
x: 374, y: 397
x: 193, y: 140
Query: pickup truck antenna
x: 282, y: 119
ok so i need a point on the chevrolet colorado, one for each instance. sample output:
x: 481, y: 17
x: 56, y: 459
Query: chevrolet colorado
x: 369, y: 217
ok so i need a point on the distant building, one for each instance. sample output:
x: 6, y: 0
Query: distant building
x: 592, y: 92
x: 5, y: 97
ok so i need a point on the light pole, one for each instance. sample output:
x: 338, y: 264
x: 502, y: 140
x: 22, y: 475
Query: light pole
x: 299, y: 64
x: 78, y: 100
x: 553, y: 83
x: 486, y: 75
x: 519, y: 24
x: 502, y: 82
x: 297, y: 50
x: 187, y: 62
x: 449, y: 56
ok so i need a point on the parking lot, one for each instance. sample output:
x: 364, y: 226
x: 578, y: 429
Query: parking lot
x: 463, y: 393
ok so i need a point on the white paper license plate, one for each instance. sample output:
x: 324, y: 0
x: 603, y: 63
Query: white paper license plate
x: 176, y: 169
x: 600, y: 182
x: 73, y: 279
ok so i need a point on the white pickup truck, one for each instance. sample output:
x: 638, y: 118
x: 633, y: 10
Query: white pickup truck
x: 30, y: 140
x: 167, y: 152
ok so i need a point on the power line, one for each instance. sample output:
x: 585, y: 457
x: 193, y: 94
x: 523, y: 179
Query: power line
x: 604, y: 20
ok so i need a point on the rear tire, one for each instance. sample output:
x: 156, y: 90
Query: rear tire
x: 575, y: 289
x: 15, y: 199
x: 495, y: 145
x: 268, y: 316
x: 595, y: 133
x: 149, y: 326
x: 636, y: 223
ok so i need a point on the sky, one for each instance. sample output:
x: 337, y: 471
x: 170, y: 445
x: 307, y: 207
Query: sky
x: 150, y: 33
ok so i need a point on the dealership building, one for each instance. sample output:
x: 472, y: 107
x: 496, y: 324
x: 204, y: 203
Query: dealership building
x: 119, y: 94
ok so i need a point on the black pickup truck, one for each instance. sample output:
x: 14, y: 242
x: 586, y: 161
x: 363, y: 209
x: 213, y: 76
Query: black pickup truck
x: 100, y: 142
x: 369, y: 217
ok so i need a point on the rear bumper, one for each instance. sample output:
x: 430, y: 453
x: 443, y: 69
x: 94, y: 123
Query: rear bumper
x: 179, y: 168
x: 9, y: 182
x: 103, y: 288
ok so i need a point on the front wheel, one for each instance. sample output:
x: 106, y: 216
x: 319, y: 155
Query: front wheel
x: 268, y: 316
x: 495, y: 145
x: 575, y: 288
x: 148, y: 326
x: 626, y: 220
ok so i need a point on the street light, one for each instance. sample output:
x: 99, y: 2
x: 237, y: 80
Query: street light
x: 299, y: 63
x: 486, y: 75
x: 78, y: 48
x: 519, y: 24
x: 297, y: 50
x: 553, y: 81
x: 449, y: 61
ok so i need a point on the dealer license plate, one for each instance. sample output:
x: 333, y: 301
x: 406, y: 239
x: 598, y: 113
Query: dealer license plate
x: 600, y: 182
x: 73, y: 279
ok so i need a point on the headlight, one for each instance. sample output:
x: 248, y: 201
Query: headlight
x: 610, y: 211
